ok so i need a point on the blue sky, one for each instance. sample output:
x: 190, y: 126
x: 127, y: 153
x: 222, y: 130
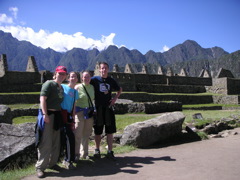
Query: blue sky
x: 143, y: 25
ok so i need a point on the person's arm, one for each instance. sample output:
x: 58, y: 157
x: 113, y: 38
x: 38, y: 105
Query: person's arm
x: 113, y: 101
x: 73, y: 113
x: 43, y: 103
x: 76, y: 98
x: 74, y: 106
x: 76, y: 87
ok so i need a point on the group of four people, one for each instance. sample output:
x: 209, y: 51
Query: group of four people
x: 76, y: 123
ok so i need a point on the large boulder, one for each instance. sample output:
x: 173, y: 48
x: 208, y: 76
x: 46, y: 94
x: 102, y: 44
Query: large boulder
x: 146, y: 133
x: 17, y: 147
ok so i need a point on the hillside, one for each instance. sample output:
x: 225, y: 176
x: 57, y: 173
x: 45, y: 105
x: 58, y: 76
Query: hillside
x: 189, y: 55
x: 193, y: 68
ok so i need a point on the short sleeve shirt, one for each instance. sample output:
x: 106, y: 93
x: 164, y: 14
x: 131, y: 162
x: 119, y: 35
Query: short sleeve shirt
x: 83, y: 101
x: 54, y: 94
x: 103, y: 89
x: 70, y: 96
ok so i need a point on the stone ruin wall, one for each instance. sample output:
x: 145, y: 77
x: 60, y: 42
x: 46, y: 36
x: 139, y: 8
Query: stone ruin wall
x: 225, y: 85
x: 161, y: 83
x: 160, y: 79
x: 16, y: 77
x: 14, y: 81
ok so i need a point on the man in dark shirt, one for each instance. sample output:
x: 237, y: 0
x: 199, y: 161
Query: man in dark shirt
x: 103, y: 86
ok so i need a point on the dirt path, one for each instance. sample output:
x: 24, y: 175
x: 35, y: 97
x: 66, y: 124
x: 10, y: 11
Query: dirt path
x: 214, y: 159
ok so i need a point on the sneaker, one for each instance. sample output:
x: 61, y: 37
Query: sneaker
x: 40, y: 173
x: 68, y: 165
x: 65, y: 164
x: 110, y: 155
x: 77, y: 157
x: 56, y: 168
x: 71, y: 166
x: 97, y: 153
x: 86, y: 157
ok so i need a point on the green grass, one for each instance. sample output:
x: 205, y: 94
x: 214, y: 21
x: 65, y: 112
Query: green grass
x: 24, y: 119
x: 23, y: 106
x: 199, y: 105
x: 123, y: 149
x: 188, y: 94
x: 185, y: 94
x: 202, y: 135
x: 209, y: 105
x: 124, y: 120
x: 209, y: 114
x: 17, y: 174
x: 13, y: 93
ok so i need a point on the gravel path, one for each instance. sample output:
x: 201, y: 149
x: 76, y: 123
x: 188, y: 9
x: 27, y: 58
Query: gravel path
x: 214, y: 159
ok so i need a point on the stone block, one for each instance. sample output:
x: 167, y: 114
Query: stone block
x: 146, y: 133
x: 5, y: 114
x: 17, y: 147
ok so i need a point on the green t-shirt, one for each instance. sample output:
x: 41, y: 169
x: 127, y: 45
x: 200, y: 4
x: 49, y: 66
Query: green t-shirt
x: 54, y: 94
x: 83, y: 98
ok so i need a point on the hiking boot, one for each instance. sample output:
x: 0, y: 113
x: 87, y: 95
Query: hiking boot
x: 97, y: 154
x: 40, y: 173
x: 110, y: 155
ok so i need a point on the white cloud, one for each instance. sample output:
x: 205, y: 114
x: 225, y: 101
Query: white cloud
x: 164, y: 49
x: 55, y: 40
x: 14, y: 11
x: 4, y: 19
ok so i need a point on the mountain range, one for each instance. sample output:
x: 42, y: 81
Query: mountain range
x: 188, y: 55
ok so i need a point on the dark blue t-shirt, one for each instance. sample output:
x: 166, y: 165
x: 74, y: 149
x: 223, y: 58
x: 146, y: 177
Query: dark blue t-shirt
x: 103, y: 89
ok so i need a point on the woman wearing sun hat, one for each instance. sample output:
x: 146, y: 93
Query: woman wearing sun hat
x: 51, y: 97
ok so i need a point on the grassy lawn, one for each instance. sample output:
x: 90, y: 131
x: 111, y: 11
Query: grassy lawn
x: 13, y: 93
x: 122, y: 121
x: 23, y: 106
x: 173, y: 94
x: 24, y: 119
x: 210, y: 115
x: 209, y: 105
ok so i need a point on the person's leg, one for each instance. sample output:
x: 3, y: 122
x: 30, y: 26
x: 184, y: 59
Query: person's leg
x: 45, y: 146
x: 70, y: 143
x: 70, y: 148
x: 110, y: 153
x: 98, y: 130
x: 110, y: 130
x: 88, y: 125
x: 66, y: 143
x: 97, y: 141
x: 109, y: 141
x: 56, y: 144
x: 79, y: 124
